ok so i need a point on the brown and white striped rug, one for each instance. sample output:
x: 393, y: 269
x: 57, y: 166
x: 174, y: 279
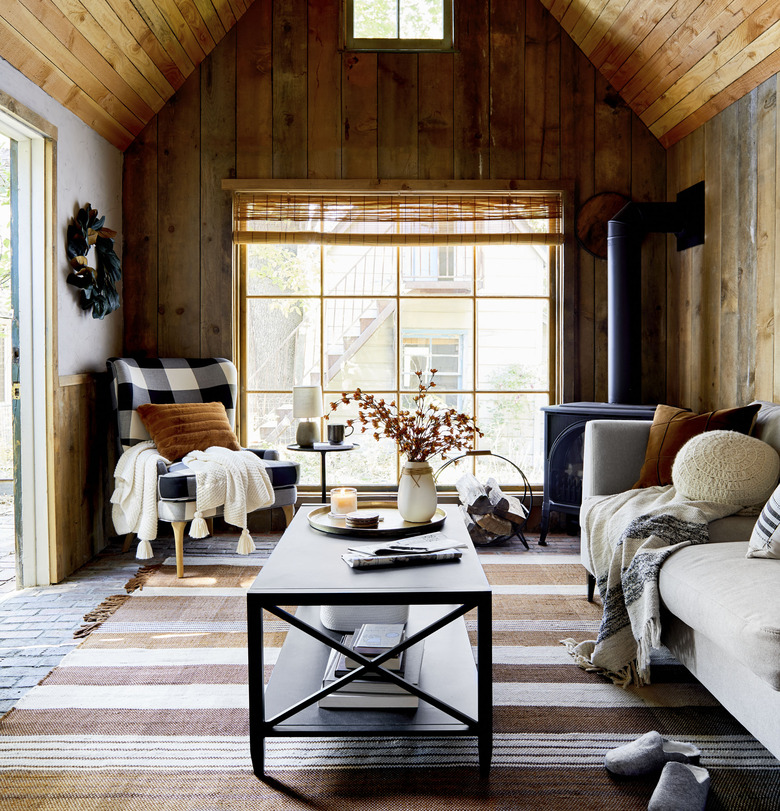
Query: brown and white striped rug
x: 150, y: 712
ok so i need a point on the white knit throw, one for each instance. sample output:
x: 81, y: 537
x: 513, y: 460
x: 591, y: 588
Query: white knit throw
x: 234, y: 480
x: 134, y: 501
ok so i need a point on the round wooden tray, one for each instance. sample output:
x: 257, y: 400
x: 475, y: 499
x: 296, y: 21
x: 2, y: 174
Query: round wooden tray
x: 392, y: 525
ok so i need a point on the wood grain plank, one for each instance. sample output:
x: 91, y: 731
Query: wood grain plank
x: 766, y: 167
x: 81, y: 18
x: 197, y: 25
x: 692, y: 258
x: 634, y: 23
x: 178, y: 218
x: 579, y: 21
x: 159, y: 26
x: 137, y: 25
x: 139, y: 245
x: 435, y: 147
x: 289, y: 88
x: 755, y: 76
x: 583, y: 135
x: 551, y: 146
x: 359, y: 114
x: 397, y: 115
x: 507, y: 86
x: 217, y: 162
x: 686, y: 45
x: 673, y: 293
x: 254, y: 92
x: 53, y: 81
x: 557, y: 8
x: 746, y: 247
x: 651, y: 46
x: 711, y: 264
x: 116, y: 34
x: 601, y: 26
x: 226, y: 14
x: 472, y: 92
x: 208, y: 11
x: 776, y: 308
x: 649, y: 186
x: 535, y: 90
x: 34, y: 20
x: 729, y: 260
x: 324, y: 77
x: 180, y: 28
x: 719, y: 68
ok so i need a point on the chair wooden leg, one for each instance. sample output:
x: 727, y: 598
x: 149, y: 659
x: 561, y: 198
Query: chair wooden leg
x: 210, y: 525
x: 178, y: 536
x: 128, y: 541
x: 591, y: 584
x: 289, y: 512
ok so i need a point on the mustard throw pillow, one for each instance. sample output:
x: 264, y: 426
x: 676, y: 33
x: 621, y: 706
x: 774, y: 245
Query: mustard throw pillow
x: 178, y: 428
x: 672, y: 427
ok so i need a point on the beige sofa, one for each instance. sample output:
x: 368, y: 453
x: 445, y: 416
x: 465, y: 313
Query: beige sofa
x: 721, y: 610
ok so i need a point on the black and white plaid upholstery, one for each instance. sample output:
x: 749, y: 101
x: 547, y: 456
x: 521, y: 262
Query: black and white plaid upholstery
x: 184, y: 380
x: 168, y: 380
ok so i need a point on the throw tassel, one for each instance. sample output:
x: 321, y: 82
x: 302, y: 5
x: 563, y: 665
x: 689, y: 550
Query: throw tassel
x: 245, y: 543
x: 199, y: 528
x: 144, y: 551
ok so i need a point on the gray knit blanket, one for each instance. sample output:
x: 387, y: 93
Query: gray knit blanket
x: 630, y: 535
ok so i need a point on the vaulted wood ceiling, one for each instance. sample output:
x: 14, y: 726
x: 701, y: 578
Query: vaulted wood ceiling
x: 115, y: 63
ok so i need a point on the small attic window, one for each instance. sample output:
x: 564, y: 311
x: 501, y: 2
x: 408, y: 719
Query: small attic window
x: 398, y: 25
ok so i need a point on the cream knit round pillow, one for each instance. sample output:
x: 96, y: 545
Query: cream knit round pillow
x: 726, y: 467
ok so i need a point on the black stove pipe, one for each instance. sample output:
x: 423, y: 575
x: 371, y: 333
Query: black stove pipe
x: 625, y: 233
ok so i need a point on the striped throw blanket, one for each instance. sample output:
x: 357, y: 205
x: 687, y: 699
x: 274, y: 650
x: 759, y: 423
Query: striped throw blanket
x: 630, y: 535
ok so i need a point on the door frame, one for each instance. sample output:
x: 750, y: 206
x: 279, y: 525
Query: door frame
x: 35, y: 262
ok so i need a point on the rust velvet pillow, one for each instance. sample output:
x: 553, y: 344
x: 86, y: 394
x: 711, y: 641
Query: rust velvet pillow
x: 178, y: 428
x: 672, y: 427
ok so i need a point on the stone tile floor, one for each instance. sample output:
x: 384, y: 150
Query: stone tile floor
x: 37, y: 624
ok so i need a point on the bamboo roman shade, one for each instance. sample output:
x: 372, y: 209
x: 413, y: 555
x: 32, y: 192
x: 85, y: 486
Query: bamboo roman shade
x: 399, y: 219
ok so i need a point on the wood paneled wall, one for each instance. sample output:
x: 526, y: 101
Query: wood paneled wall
x: 724, y: 296
x: 276, y: 98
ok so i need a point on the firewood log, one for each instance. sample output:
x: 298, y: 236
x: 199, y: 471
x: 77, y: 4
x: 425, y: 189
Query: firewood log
x: 473, y: 495
x: 505, y: 505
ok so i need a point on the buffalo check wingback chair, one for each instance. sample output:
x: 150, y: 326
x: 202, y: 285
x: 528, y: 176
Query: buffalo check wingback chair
x: 185, y: 380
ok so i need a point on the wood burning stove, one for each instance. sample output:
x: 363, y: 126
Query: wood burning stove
x: 564, y: 429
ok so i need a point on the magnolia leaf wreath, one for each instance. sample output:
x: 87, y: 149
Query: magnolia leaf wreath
x: 98, y: 284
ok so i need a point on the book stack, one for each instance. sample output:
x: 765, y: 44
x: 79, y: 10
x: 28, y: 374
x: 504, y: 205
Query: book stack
x: 372, y: 691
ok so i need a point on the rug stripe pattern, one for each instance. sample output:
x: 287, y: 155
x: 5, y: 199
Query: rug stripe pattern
x: 151, y: 712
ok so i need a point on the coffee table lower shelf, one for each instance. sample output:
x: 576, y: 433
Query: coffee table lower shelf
x: 448, y: 672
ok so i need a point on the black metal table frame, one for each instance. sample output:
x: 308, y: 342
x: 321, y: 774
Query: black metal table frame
x: 261, y: 728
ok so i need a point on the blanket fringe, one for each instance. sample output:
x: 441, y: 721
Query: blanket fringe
x: 199, y: 528
x: 245, y: 543
x: 627, y: 676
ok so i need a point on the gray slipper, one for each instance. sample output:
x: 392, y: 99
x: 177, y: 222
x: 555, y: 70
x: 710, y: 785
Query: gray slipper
x: 648, y: 754
x: 681, y: 787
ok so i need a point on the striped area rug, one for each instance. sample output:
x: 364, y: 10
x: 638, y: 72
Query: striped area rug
x: 150, y: 712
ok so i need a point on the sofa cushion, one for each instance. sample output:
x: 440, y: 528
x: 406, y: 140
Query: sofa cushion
x: 672, y: 427
x: 178, y: 428
x: 726, y: 467
x: 765, y: 538
x: 733, y: 600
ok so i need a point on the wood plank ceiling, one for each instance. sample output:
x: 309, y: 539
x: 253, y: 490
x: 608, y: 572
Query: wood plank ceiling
x: 115, y: 63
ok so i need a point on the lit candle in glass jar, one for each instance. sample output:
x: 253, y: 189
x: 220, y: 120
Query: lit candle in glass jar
x: 343, y: 500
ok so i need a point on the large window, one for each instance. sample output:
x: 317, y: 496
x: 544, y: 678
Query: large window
x: 347, y: 292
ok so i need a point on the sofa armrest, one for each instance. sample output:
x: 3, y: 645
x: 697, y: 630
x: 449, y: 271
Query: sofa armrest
x: 613, y: 455
x: 268, y: 454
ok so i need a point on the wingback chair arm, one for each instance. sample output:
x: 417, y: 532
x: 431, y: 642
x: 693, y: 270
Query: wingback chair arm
x: 265, y: 453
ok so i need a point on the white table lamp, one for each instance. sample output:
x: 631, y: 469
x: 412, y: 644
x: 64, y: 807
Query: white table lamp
x: 307, y: 404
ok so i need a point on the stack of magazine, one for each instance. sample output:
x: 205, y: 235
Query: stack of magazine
x: 431, y: 548
x: 372, y: 691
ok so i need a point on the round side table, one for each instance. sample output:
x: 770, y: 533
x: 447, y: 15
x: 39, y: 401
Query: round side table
x: 323, y: 448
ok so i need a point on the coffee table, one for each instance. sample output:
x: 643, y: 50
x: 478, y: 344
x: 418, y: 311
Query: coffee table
x: 306, y: 570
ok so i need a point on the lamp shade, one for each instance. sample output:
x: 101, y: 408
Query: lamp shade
x: 307, y: 401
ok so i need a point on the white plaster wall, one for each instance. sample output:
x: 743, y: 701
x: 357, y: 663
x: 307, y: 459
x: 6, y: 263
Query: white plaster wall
x: 88, y: 170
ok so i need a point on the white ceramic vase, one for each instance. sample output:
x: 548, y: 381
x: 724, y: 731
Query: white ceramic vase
x: 416, y: 492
